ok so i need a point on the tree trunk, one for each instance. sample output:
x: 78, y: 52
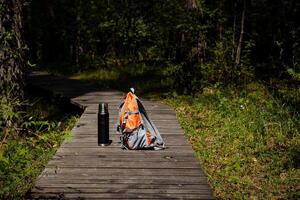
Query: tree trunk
x: 78, y: 43
x: 239, y: 48
x: 12, y: 63
x: 191, y: 4
x: 221, y: 21
x: 233, y: 33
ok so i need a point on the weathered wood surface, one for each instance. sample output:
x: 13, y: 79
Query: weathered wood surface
x: 81, y: 169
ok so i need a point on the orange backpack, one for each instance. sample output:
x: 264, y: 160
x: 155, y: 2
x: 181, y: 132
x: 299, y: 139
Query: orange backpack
x: 136, y: 128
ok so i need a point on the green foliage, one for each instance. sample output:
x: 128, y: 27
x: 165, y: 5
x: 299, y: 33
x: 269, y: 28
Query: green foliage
x: 28, y: 140
x: 293, y: 73
x: 246, y: 141
x: 221, y: 69
x: 198, y: 38
x: 9, y: 114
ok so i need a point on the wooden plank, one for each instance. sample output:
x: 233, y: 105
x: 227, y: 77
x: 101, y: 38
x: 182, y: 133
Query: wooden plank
x: 91, y: 129
x: 180, y: 187
x: 114, y: 119
x: 92, y: 136
x: 55, y: 178
x: 116, y: 102
x: 91, y: 151
x: 119, y: 196
x: 158, y: 120
x: 117, y: 190
x: 95, y: 150
x: 176, y: 140
x: 115, y: 144
x: 127, y: 158
x: 125, y: 180
x: 167, y: 125
x: 148, y: 106
x: 164, y: 126
x: 91, y: 171
x: 116, y: 164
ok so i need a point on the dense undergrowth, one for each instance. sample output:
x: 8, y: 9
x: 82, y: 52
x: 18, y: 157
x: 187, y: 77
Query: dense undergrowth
x: 30, y: 133
x: 247, y: 138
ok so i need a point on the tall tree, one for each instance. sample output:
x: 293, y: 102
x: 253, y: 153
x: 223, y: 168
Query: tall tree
x: 239, y: 47
x: 12, y: 47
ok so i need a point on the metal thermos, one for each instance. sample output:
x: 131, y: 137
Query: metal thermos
x: 103, y: 125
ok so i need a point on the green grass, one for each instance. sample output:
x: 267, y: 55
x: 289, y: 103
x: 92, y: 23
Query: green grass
x: 144, y: 78
x: 247, y: 143
x: 31, y: 140
x: 246, y: 137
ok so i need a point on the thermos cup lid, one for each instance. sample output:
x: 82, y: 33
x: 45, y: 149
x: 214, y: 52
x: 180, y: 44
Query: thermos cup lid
x: 103, y: 108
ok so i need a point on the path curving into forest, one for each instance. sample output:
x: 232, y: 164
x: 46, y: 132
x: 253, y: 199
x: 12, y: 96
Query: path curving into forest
x: 81, y: 169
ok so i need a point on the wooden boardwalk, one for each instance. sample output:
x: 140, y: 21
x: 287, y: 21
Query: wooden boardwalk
x: 81, y: 169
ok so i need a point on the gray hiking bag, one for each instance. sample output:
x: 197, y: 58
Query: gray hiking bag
x: 136, y: 128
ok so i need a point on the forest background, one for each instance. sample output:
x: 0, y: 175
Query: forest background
x: 230, y: 68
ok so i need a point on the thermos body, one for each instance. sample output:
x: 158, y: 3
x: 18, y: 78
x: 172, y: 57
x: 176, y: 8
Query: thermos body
x: 103, y: 125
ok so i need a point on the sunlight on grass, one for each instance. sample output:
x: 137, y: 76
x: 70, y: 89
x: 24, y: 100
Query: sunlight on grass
x: 142, y: 77
x: 100, y: 74
x: 247, y: 143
